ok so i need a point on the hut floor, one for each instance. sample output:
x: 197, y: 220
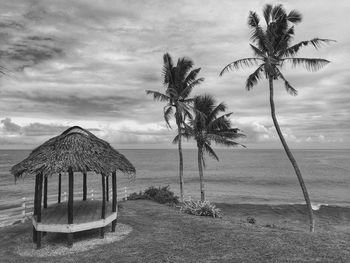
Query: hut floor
x: 83, y: 212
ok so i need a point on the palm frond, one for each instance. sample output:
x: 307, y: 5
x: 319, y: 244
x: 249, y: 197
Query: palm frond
x: 167, y: 70
x: 158, y: 95
x: 187, y: 91
x: 315, y: 42
x: 183, y: 135
x: 311, y: 64
x: 257, y: 33
x: 221, y: 107
x: 168, y: 111
x: 221, y: 123
x: 257, y: 51
x: 245, y: 62
x: 294, y: 17
x: 192, y: 76
x: 231, y: 133
x: 253, y: 78
x: 277, y: 12
x: 210, y: 151
x: 292, y: 91
x: 221, y: 140
x: 182, y: 69
x: 267, y: 13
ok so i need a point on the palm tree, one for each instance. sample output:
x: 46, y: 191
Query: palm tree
x: 207, y: 127
x: 272, y: 51
x: 178, y: 81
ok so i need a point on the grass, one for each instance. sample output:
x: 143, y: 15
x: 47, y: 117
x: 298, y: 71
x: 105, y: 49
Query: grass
x: 164, y: 234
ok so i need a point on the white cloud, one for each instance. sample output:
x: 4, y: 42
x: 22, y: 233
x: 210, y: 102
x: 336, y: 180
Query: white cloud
x: 91, y: 63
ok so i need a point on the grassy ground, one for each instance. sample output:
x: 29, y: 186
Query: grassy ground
x: 163, y: 234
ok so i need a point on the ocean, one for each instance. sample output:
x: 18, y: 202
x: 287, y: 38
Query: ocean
x: 241, y: 176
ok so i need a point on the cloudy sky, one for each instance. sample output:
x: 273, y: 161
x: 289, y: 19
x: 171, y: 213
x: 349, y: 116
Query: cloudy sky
x: 89, y: 63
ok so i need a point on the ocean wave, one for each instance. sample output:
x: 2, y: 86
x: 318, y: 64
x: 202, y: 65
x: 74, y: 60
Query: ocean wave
x: 317, y: 206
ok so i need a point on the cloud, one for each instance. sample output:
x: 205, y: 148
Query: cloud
x: 9, y: 126
x: 93, y: 61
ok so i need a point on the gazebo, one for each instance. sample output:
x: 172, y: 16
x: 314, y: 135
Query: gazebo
x: 75, y: 150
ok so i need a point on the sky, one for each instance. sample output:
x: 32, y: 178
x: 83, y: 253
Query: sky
x: 88, y: 63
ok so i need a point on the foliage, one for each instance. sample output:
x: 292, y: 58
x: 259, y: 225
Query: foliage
x: 178, y: 80
x: 272, y: 47
x: 206, y: 126
x: 162, y: 195
x: 251, y: 220
x: 136, y: 196
x: 200, y: 208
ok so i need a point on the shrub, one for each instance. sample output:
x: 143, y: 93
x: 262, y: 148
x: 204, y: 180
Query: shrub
x: 162, y: 195
x: 200, y: 208
x: 251, y: 220
x: 136, y: 196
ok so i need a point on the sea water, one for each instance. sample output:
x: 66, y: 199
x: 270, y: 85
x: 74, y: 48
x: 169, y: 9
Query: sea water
x: 241, y: 175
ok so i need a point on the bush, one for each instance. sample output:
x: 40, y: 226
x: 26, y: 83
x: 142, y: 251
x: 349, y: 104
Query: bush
x: 162, y: 195
x: 136, y: 196
x: 200, y: 208
x: 251, y: 220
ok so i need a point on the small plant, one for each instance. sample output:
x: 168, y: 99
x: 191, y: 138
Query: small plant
x: 162, y: 195
x: 136, y: 196
x: 251, y: 220
x: 200, y: 208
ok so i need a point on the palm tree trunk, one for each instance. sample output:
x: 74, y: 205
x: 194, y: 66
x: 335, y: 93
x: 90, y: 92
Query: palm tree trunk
x: 200, y: 169
x: 291, y: 157
x: 181, y: 166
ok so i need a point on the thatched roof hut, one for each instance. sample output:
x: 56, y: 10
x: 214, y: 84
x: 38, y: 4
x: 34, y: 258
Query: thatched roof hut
x: 76, y: 148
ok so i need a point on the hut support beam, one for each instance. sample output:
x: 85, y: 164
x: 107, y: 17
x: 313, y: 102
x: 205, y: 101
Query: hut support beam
x: 103, y: 214
x: 38, y: 215
x: 70, y: 203
x: 114, y: 198
x: 107, y: 188
x: 45, y: 192
x: 35, y: 204
x: 84, y: 187
x: 45, y: 196
x: 59, y: 188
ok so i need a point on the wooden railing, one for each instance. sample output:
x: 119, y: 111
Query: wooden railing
x: 21, y: 209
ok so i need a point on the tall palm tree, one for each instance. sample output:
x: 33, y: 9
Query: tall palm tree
x: 207, y: 127
x: 178, y: 82
x: 272, y: 50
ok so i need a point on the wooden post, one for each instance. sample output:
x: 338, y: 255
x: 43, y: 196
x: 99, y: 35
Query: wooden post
x: 70, y: 203
x: 45, y: 197
x: 38, y: 216
x: 59, y: 187
x: 45, y: 192
x: 125, y: 194
x: 92, y: 194
x: 114, y: 198
x: 84, y: 187
x: 107, y: 188
x: 35, y: 204
x: 103, y: 214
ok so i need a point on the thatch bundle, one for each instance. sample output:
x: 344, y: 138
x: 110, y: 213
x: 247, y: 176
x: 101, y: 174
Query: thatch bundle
x: 76, y: 148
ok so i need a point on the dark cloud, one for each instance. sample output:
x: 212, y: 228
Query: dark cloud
x: 10, y: 127
x: 31, y: 51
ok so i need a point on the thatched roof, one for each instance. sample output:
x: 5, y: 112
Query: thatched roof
x: 75, y: 147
